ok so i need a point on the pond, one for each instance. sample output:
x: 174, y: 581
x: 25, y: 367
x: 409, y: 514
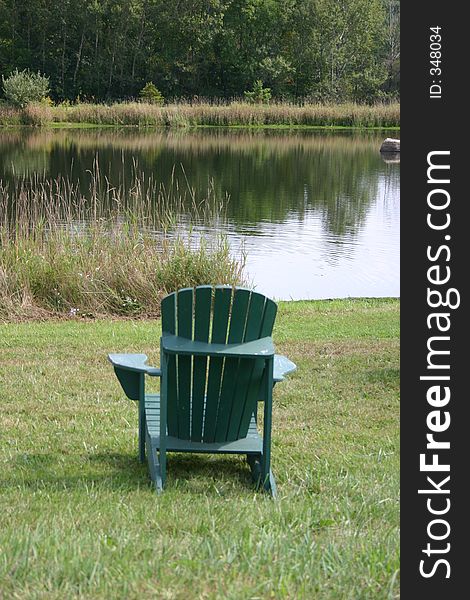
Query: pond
x: 317, y: 213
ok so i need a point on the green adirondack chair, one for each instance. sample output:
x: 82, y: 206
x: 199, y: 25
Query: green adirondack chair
x: 217, y: 364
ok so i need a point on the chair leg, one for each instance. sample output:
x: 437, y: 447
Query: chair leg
x: 254, y: 460
x: 162, y: 460
x: 268, y: 483
x: 141, y: 438
x: 272, y: 485
x: 163, y: 415
x: 154, y: 465
x: 141, y: 417
x: 267, y: 478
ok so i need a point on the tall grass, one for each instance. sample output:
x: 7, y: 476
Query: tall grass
x: 210, y: 114
x: 108, y: 250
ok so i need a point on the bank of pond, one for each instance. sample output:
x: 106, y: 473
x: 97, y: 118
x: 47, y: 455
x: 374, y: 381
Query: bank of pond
x: 380, y: 115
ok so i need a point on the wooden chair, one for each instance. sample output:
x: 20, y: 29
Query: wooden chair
x: 217, y: 364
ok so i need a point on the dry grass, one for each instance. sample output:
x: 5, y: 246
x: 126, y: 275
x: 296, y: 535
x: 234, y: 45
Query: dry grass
x: 107, y: 251
x: 205, y: 114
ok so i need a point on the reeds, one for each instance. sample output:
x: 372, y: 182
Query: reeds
x: 109, y: 251
x: 232, y: 114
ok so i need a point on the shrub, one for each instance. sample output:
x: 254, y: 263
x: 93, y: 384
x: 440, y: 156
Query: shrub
x: 24, y: 87
x: 151, y: 94
x: 259, y: 94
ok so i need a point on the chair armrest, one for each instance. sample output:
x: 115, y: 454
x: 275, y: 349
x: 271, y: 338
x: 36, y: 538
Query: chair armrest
x: 133, y: 362
x: 282, y: 366
x: 262, y: 348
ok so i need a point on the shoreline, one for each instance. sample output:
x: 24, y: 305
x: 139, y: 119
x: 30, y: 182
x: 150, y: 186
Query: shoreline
x: 71, y: 125
x: 236, y: 115
x: 112, y: 318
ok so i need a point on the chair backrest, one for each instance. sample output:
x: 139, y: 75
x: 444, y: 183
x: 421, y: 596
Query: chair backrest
x: 213, y: 399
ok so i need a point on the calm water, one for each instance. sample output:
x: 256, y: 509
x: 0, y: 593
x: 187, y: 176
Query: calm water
x: 317, y: 214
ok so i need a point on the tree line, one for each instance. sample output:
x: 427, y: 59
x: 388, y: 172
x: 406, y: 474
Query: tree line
x: 100, y: 50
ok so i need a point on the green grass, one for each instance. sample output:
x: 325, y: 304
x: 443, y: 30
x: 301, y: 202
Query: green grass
x: 78, y: 518
x: 343, y: 115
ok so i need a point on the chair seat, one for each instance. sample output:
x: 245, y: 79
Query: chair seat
x: 251, y: 444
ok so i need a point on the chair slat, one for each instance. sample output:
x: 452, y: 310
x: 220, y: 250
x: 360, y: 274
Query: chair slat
x: 168, y: 307
x: 202, y: 317
x: 269, y: 316
x: 185, y: 313
x: 252, y: 396
x: 172, y: 404
x: 254, y: 318
x: 242, y: 384
x: 240, y: 305
x: 248, y: 379
x: 241, y: 300
x: 169, y: 326
x: 222, y: 301
x: 184, y: 317
x: 202, y: 312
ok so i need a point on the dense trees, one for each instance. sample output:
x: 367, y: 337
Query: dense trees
x: 107, y: 49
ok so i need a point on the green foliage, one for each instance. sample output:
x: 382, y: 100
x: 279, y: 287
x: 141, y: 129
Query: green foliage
x: 108, y: 50
x: 278, y: 72
x: 258, y: 93
x: 23, y: 87
x: 151, y: 94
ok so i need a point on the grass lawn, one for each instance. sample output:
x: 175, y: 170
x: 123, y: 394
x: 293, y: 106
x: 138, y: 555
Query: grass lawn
x: 78, y: 518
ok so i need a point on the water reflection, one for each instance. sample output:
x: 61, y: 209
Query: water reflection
x: 317, y: 212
